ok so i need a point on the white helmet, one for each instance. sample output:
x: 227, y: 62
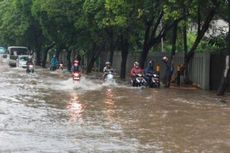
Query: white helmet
x: 165, y: 58
x: 136, y: 64
x: 107, y: 63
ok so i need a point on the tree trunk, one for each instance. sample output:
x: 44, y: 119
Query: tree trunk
x: 174, y: 38
x: 90, y: 64
x: 144, y: 55
x: 111, y: 47
x: 38, y: 52
x: 124, y: 56
x: 58, y: 51
x: 92, y: 60
x: 38, y: 39
x: 146, y: 47
x: 225, y: 82
x: 45, y: 55
x: 198, y: 17
x: 185, y: 67
x: 111, y: 56
x: 69, y: 59
x: 38, y: 57
x: 173, y: 51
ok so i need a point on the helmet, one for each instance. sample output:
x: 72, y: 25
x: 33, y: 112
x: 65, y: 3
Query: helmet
x: 150, y: 63
x: 76, y: 61
x: 136, y: 64
x: 107, y: 63
x: 165, y: 58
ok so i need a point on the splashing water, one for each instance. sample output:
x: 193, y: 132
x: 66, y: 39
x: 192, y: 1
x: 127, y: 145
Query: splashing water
x: 83, y: 85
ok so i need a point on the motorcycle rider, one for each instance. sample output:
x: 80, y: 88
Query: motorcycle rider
x: 61, y: 65
x: 107, y: 69
x: 54, y: 63
x: 76, y: 66
x: 168, y: 72
x: 135, y: 70
x: 28, y: 63
x: 148, y: 71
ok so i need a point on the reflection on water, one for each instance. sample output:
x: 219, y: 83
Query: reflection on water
x: 109, y: 104
x: 75, y: 109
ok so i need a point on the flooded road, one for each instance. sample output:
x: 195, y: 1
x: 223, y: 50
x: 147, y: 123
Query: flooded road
x: 45, y: 112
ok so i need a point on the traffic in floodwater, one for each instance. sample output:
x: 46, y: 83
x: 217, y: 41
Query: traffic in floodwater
x: 46, y: 112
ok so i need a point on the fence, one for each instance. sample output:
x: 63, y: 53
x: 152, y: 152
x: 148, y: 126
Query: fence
x: 199, y: 68
x: 205, y: 70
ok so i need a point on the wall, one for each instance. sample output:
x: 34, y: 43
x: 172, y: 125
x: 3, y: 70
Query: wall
x: 199, y: 68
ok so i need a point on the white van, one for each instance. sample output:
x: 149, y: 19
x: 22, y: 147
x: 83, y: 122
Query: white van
x: 14, y: 52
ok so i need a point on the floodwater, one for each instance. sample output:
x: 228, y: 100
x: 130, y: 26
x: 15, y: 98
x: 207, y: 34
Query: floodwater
x: 45, y: 112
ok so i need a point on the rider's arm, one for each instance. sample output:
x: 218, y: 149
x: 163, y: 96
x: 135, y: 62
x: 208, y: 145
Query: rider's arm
x: 104, y: 69
x: 132, y: 73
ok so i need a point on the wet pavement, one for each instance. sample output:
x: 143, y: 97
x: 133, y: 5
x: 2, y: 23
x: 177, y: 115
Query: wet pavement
x: 46, y: 112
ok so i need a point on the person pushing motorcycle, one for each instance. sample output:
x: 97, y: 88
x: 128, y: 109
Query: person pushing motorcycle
x: 149, y: 70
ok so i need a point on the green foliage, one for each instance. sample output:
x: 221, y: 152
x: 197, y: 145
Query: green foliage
x: 83, y: 23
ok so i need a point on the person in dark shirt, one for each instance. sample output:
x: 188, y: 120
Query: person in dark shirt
x: 168, y: 72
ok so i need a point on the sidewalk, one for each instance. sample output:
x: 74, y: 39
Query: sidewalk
x: 184, y: 86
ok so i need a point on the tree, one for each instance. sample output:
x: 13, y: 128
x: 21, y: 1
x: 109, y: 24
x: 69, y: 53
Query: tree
x: 18, y: 26
x: 153, y: 14
x: 225, y: 82
x: 57, y: 21
x: 208, y: 13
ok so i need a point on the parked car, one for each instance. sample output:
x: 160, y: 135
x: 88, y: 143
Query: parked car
x: 22, y: 60
x: 3, y: 52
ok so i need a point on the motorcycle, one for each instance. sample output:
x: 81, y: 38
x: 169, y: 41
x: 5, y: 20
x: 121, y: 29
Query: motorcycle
x: 109, y: 77
x: 76, y: 76
x: 61, y: 66
x: 139, y: 81
x: 30, y: 68
x: 153, y: 80
x: 53, y: 67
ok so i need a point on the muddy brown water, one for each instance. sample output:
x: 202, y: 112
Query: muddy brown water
x: 46, y: 112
